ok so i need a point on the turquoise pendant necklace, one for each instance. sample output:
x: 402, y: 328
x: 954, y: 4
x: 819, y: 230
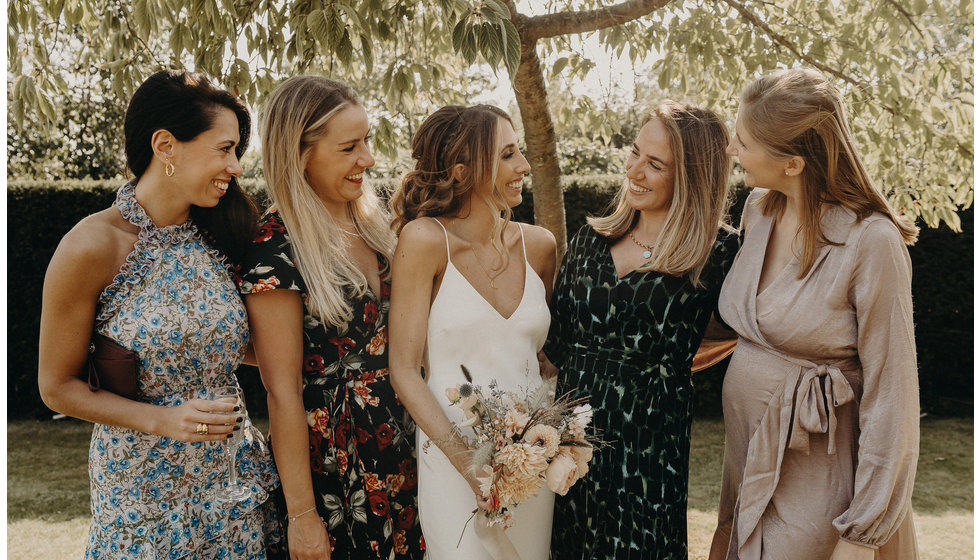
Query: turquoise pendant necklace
x: 648, y: 249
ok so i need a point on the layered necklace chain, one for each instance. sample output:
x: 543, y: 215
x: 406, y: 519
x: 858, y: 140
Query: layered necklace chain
x: 648, y: 249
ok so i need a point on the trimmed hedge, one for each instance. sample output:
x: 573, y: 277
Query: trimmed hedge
x: 39, y: 214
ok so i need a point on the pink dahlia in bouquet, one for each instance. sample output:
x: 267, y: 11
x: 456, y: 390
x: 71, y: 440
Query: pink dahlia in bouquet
x: 522, y: 443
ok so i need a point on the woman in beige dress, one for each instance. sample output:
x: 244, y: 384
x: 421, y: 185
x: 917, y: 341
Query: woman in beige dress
x: 821, y: 396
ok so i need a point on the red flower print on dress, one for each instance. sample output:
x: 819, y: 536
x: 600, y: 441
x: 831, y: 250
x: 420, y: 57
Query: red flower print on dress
x: 371, y: 313
x: 342, y: 461
x: 377, y: 345
x: 372, y: 483
x: 379, y: 503
x: 340, y: 433
x: 364, y: 396
x: 267, y: 230
x: 394, y: 482
x: 318, y: 420
x: 312, y: 363
x: 406, y: 518
x: 410, y: 472
x: 344, y: 345
x: 265, y: 285
x: 385, y: 434
x: 363, y: 435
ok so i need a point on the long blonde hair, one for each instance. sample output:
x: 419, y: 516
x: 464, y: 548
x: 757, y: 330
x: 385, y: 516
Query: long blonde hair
x: 453, y: 135
x: 698, y: 139
x: 294, y: 118
x: 799, y: 113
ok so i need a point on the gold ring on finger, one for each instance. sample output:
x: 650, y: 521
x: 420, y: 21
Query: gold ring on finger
x: 202, y: 429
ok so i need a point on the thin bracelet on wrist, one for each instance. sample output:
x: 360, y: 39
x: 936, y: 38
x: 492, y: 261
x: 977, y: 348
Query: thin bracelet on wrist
x: 297, y: 516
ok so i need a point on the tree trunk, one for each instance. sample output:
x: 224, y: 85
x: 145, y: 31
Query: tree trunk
x: 542, y: 151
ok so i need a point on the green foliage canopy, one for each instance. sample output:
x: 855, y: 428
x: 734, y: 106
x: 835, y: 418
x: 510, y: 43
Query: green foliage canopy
x: 905, y: 65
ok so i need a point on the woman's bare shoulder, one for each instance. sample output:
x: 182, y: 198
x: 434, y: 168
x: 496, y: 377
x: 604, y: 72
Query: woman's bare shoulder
x: 98, y: 241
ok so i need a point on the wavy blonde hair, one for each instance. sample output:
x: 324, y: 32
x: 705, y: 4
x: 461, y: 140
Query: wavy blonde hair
x: 453, y: 135
x: 799, y: 113
x: 698, y: 138
x: 295, y: 117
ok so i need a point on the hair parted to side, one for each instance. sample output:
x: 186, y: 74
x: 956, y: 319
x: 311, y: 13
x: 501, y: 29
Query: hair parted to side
x: 186, y: 104
x: 799, y: 112
x: 698, y: 139
x: 453, y: 135
x: 296, y: 116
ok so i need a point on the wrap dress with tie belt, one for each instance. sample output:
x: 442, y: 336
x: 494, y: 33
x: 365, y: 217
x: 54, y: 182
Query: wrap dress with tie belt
x: 821, y: 396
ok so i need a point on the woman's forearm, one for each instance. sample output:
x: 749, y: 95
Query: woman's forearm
x: 291, y: 448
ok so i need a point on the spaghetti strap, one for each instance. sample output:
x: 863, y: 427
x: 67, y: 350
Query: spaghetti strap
x: 446, y: 233
x: 523, y: 246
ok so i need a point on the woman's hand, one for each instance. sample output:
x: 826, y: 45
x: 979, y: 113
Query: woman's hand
x: 547, y: 369
x: 184, y: 422
x: 850, y: 551
x: 308, y: 538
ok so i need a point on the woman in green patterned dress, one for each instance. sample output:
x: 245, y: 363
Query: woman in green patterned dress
x: 630, y: 307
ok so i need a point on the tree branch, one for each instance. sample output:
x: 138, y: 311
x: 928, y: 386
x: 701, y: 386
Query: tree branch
x: 907, y: 15
x: 551, y: 25
x: 777, y: 38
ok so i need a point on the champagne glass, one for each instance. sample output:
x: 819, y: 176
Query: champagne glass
x: 233, y: 490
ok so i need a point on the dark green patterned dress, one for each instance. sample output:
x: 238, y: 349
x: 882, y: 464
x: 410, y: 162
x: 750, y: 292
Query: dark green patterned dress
x: 628, y: 344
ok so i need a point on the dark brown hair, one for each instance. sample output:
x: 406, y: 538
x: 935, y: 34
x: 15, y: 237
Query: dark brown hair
x: 186, y: 104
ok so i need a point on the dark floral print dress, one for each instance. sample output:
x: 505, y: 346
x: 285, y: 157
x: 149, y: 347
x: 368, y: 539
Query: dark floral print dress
x: 628, y: 344
x: 362, y: 454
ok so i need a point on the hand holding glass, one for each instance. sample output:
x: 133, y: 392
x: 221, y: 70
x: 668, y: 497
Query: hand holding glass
x: 233, y: 491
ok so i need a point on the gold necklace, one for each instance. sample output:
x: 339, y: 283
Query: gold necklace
x: 484, y: 269
x: 648, y: 248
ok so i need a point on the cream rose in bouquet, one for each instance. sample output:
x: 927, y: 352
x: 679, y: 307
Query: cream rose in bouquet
x: 522, y: 443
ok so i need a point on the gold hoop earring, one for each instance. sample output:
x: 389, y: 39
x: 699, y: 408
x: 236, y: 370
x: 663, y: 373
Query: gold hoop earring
x: 169, y: 170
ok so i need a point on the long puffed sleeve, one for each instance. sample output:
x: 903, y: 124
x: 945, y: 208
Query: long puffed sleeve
x: 888, y: 447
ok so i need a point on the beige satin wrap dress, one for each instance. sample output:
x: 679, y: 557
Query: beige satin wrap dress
x: 821, y: 397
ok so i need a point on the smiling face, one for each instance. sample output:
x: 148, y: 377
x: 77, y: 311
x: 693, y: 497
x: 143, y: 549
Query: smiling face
x: 761, y: 169
x: 650, y: 170
x: 205, y: 165
x: 337, y: 161
x: 512, y: 166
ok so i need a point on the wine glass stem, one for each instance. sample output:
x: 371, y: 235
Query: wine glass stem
x: 232, y: 474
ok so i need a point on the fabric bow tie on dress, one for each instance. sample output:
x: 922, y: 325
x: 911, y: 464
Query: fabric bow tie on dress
x: 822, y: 389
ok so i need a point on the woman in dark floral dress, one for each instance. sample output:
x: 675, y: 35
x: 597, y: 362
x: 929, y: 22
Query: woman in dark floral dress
x: 630, y: 307
x: 317, y: 288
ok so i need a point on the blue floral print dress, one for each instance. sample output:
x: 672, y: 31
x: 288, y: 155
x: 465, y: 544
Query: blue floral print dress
x: 362, y: 440
x: 174, y: 303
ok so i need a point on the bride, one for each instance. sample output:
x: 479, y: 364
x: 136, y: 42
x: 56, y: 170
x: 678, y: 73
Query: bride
x: 469, y: 287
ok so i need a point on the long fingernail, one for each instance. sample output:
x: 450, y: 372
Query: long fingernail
x: 239, y: 419
x: 237, y: 408
x: 236, y: 428
x: 228, y: 436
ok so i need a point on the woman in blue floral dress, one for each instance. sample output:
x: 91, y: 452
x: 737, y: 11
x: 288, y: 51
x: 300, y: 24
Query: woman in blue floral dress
x: 151, y: 273
x: 316, y: 285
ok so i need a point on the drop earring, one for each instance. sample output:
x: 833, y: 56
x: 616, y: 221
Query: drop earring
x: 169, y: 169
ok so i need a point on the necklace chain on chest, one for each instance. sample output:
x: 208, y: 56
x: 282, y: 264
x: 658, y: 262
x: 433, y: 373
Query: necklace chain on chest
x: 648, y: 249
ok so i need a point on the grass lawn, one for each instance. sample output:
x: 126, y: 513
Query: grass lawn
x: 48, y: 510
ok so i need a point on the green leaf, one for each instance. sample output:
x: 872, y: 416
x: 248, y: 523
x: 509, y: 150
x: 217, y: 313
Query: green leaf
x: 468, y: 49
x: 336, y: 27
x: 316, y: 22
x: 367, y: 52
x: 511, y: 46
x: 459, y: 34
x: 345, y: 50
x: 559, y: 65
x: 490, y: 45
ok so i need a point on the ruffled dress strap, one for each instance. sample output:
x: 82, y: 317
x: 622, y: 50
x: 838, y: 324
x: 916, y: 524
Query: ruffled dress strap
x: 150, y: 243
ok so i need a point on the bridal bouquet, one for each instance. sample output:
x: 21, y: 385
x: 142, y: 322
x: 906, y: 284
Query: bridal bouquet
x: 523, y: 442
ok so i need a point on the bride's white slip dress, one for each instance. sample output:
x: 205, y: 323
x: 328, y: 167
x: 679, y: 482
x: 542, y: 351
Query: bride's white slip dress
x: 465, y: 329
